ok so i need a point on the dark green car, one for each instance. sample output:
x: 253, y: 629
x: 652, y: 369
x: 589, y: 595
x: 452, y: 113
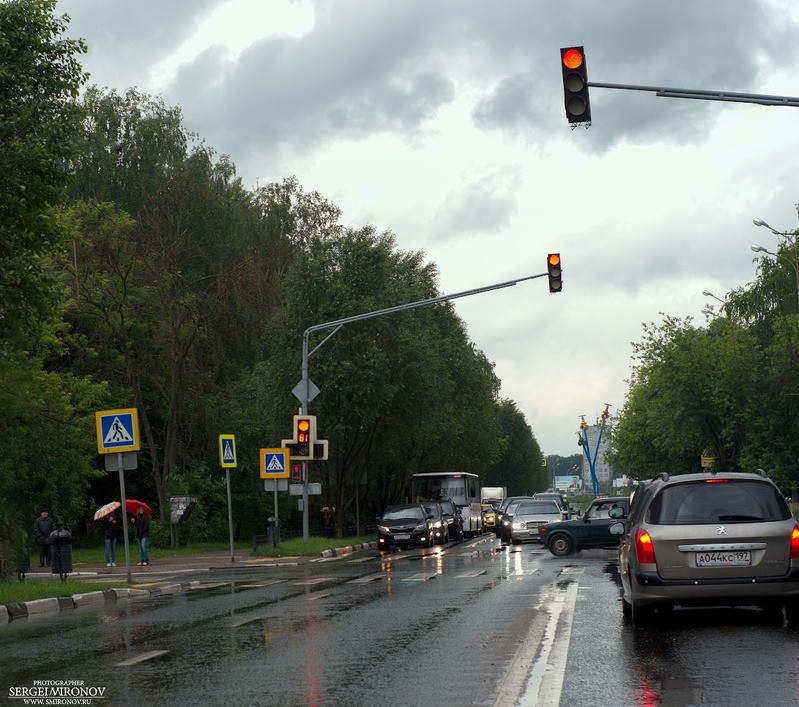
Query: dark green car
x: 590, y: 530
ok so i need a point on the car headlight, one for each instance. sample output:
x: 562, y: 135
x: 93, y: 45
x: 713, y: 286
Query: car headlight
x: 383, y: 529
x: 506, y: 523
x: 420, y: 527
x: 519, y: 525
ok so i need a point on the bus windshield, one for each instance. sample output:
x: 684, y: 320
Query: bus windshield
x: 434, y: 488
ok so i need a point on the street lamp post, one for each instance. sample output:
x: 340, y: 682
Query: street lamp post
x: 791, y: 239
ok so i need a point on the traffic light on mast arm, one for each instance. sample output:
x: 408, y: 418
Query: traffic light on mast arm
x: 575, y: 85
x: 554, y: 272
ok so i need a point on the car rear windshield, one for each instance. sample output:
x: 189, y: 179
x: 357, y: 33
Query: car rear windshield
x: 717, y: 500
x: 540, y: 507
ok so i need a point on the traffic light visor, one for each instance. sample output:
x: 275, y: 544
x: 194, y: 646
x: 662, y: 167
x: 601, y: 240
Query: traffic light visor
x: 572, y: 58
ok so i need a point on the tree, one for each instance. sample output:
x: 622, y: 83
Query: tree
x: 692, y: 389
x: 520, y: 468
x: 39, y: 80
x: 175, y: 275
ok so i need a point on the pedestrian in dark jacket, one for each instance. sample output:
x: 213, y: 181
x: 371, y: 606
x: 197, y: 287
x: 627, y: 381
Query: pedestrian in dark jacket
x: 42, y: 527
x: 142, y: 521
x: 109, y: 527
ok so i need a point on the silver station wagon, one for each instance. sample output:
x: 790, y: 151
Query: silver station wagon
x: 705, y: 539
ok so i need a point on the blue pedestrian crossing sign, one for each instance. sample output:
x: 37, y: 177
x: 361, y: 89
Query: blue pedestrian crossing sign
x: 275, y: 463
x: 117, y: 431
x: 227, y: 451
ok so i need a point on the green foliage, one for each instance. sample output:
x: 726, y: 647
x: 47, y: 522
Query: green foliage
x: 519, y: 469
x: 39, y: 79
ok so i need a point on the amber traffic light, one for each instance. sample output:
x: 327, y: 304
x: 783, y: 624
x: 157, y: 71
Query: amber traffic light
x: 575, y: 85
x: 554, y: 272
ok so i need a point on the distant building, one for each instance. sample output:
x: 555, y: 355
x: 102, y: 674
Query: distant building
x: 604, y: 471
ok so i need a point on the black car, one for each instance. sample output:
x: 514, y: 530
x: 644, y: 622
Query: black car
x: 439, y: 527
x: 453, y: 518
x: 589, y: 530
x: 405, y: 525
x: 503, y: 507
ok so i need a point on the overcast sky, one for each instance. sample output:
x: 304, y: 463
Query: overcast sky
x: 444, y: 123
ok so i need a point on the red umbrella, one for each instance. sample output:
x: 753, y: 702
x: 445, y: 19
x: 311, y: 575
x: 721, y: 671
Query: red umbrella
x: 132, y: 506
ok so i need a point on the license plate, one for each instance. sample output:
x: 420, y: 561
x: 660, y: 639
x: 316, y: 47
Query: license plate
x: 403, y: 536
x: 732, y: 558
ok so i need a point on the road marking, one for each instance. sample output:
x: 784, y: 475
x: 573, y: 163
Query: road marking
x: 361, y: 559
x: 420, y: 577
x: 308, y: 582
x: 473, y: 573
x: 244, y: 622
x: 141, y: 658
x: 367, y: 578
x: 314, y: 597
x: 535, y: 675
x: 258, y: 585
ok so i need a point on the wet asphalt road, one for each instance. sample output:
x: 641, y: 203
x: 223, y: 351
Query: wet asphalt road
x: 472, y: 624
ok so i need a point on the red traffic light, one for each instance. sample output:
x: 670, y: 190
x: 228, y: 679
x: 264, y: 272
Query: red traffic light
x: 575, y: 85
x: 572, y: 58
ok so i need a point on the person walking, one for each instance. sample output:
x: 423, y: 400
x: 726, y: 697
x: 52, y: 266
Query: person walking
x: 142, y: 521
x: 42, y: 527
x: 109, y: 527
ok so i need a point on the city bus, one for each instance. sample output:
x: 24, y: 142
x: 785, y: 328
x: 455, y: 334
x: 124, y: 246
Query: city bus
x: 460, y: 486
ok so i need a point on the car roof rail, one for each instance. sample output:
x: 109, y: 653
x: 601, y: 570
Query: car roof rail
x: 663, y: 476
x: 761, y: 472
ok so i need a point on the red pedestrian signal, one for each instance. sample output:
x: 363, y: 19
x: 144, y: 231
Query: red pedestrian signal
x: 575, y: 85
x: 554, y: 272
x: 296, y: 474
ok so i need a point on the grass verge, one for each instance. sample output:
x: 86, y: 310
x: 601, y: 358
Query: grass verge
x: 313, y: 547
x: 13, y: 590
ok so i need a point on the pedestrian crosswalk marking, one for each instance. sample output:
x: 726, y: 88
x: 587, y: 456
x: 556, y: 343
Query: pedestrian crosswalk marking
x: 275, y: 464
x: 227, y: 453
x: 117, y: 433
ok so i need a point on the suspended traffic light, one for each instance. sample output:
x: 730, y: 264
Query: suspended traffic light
x: 554, y: 272
x: 575, y: 85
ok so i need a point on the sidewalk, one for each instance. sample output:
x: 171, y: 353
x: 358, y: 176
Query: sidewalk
x: 165, y: 570
x: 168, y: 575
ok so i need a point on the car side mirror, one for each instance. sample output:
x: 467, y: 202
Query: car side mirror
x: 617, y: 512
x: 616, y: 528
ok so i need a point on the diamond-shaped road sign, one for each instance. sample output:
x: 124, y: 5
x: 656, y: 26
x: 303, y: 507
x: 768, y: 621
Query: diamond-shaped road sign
x: 298, y: 391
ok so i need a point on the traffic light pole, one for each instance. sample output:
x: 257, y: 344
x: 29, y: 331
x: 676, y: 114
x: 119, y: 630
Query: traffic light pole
x: 704, y: 94
x: 305, y: 383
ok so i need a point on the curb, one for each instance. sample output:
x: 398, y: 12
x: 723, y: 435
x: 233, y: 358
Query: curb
x: 21, y: 610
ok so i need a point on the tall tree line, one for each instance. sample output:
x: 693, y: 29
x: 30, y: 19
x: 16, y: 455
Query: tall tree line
x: 141, y: 273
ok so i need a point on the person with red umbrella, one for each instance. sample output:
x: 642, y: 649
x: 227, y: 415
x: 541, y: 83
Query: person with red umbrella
x: 142, y: 522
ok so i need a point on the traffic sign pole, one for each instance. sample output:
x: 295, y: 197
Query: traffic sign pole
x: 230, y: 515
x: 227, y: 459
x: 125, y: 513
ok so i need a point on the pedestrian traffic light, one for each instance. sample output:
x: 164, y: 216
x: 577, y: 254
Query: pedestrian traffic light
x: 554, y: 272
x: 296, y: 475
x: 575, y: 85
x: 304, y: 434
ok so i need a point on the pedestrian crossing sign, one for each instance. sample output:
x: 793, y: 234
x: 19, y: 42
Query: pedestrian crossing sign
x: 275, y: 463
x: 227, y: 451
x: 117, y: 431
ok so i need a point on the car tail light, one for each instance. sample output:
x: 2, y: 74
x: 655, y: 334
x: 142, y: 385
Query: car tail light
x: 795, y: 543
x: 644, y: 550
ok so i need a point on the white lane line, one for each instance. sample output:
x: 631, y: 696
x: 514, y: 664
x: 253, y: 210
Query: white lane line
x: 141, y: 658
x: 308, y: 582
x: 367, y: 578
x: 535, y: 675
x: 546, y: 679
x: 420, y: 577
x: 473, y: 573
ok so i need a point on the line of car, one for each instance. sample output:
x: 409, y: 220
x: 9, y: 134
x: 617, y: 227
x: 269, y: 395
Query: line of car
x: 422, y: 524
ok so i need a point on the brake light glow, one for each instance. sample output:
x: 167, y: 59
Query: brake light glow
x: 644, y: 550
x: 795, y: 543
x: 716, y: 481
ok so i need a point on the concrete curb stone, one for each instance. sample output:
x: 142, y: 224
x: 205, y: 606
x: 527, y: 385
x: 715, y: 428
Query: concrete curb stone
x: 3, y: 614
x: 40, y: 606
